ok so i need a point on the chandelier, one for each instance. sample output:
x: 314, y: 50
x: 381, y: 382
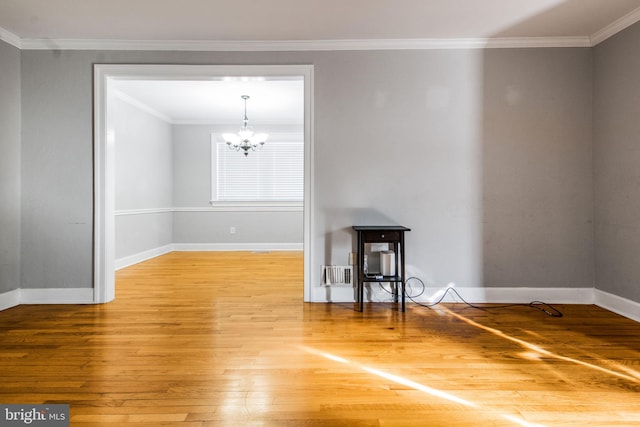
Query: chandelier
x: 245, y: 139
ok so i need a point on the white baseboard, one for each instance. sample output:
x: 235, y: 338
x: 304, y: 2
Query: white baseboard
x: 618, y: 305
x: 142, y: 256
x: 512, y: 295
x: 130, y: 260
x: 255, y: 247
x: 46, y: 296
x: 622, y: 306
x: 57, y: 296
x: 9, y: 299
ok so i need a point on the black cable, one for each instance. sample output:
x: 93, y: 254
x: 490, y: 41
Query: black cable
x: 538, y: 305
x: 406, y: 283
x: 549, y: 310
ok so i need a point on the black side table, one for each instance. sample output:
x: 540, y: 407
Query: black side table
x: 392, y: 234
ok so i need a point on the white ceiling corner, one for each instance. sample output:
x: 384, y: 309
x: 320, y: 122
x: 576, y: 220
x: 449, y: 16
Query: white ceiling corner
x: 140, y: 105
x: 10, y: 38
x: 615, y: 27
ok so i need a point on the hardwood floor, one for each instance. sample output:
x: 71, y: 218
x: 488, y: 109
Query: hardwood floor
x: 224, y: 339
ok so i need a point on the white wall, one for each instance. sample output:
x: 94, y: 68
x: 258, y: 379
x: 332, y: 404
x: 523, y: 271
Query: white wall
x: 9, y: 167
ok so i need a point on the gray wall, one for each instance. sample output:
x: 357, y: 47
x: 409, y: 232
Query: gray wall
x: 617, y: 163
x: 144, y: 180
x: 192, y: 165
x: 9, y: 167
x: 192, y: 189
x: 159, y: 167
x: 537, y: 203
x: 57, y: 171
x: 399, y: 137
x: 492, y: 161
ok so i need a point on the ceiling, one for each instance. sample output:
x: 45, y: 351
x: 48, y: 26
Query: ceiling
x: 307, y: 20
x: 272, y: 101
x: 292, y: 24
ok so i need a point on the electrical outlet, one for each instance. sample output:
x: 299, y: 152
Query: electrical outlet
x: 232, y: 230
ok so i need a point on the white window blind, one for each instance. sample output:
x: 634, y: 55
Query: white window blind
x: 275, y: 173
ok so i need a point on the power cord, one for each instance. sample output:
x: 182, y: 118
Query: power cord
x: 538, y: 305
x: 405, y: 291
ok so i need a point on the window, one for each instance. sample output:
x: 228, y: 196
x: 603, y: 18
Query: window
x: 275, y: 173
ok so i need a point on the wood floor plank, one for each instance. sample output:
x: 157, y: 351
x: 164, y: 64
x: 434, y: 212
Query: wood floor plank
x: 224, y: 339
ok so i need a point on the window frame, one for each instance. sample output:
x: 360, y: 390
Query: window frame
x: 254, y: 205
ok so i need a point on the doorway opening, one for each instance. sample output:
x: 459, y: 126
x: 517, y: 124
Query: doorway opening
x: 106, y: 78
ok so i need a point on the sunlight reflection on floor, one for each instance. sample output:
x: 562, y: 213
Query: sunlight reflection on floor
x: 415, y: 385
x: 535, y: 352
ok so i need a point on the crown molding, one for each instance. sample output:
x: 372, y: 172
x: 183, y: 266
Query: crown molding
x: 322, y: 45
x: 534, y: 42
x: 9, y: 37
x: 615, y: 27
x: 142, y: 106
x: 304, y: 45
